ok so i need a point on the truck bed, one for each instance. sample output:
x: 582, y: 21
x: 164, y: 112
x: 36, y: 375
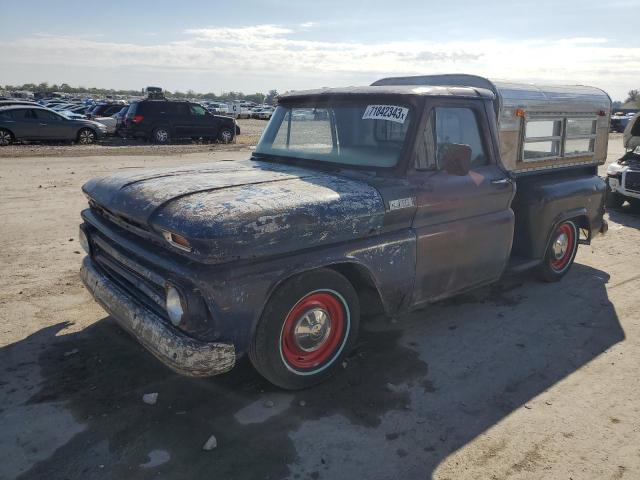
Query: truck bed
x: 545, y: 198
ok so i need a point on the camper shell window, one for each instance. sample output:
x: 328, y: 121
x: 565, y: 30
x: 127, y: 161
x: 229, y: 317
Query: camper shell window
x: 551, y: 138
x: 543, y: 137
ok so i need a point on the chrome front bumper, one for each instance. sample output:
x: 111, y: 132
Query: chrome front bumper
x: 179, y: 352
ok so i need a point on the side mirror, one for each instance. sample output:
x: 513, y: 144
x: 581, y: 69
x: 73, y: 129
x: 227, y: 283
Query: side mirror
x: 457, y: 159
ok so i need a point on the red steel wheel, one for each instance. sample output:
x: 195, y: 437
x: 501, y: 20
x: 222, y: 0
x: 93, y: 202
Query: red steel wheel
x: 562, y: 246
x: 560, y: 252
x: 306, y: 329
x: 314, y: 330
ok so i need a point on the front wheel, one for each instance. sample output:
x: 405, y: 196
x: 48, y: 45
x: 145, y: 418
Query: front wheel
x: 5, y: 137
x: 635, y: 203
x: 86, y: 136
x: 560, y: 253
x: 225, y: 135
x: 308, y: 326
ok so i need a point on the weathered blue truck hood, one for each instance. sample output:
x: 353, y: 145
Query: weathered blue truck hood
x: 231, y: 210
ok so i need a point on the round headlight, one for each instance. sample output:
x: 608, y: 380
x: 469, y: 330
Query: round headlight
x: 175, y: 309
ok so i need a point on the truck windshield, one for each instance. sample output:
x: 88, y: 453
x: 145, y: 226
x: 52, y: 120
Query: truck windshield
x: 364, y: 135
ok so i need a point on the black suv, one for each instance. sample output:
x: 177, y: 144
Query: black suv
x: 164, y: 120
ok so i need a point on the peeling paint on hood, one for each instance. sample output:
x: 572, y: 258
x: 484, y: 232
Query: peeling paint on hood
x: 232, y: 210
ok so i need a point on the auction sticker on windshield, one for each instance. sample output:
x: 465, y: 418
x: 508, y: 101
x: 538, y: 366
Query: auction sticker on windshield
x: 386, y: 112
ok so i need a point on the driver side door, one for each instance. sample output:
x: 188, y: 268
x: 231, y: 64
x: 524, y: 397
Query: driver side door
x: 463, y: 223
x: 53, y: 126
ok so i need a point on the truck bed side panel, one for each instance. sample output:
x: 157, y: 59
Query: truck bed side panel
x: 543, y: 200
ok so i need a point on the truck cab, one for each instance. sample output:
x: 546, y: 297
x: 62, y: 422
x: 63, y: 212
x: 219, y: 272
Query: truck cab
x: 388, y: 196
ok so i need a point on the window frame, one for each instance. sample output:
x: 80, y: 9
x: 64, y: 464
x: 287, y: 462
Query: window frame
x: 581, y: 136
x: 562, y: 138
x: 478, y: 107
x: 192, y: 110
x: 549, y: 138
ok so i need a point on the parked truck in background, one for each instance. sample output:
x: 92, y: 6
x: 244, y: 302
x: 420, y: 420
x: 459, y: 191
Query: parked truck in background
x: 389, y: 196
x: 623, y: 176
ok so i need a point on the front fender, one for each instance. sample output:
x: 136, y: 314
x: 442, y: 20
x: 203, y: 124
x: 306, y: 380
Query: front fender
x: 238, y: 299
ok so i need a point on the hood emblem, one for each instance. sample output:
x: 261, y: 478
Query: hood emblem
x: 399, y: 203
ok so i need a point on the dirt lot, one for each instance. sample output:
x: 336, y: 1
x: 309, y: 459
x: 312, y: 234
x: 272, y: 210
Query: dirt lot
x: 521, y: 380
x: 250, y: 131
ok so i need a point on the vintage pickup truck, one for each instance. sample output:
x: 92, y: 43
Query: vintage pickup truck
x: 381, y: 197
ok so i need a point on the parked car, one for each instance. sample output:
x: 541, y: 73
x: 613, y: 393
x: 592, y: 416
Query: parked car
x: 62, y: 106
x: 401, y: 196
x: 7, y: 103
x: 72, y: 115
x: 39, y: 123
x: 162, y: 121
x: 81, y: 109
x: 623, y: 176
x: 114, y: 122
x: 104, y: 110
x: 119, y: 116
x: 265, y: 113
x: 262, y: 112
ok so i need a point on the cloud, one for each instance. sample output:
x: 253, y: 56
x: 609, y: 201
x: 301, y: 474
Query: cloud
x: 288, y: 61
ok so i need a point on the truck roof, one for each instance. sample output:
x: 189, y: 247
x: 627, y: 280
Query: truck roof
x: 420, y: 90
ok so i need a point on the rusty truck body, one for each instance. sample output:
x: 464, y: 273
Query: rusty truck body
x: 388, y: 196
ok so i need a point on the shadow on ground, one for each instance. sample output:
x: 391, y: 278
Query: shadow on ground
x: 626, y: 215
x: 444, y: 381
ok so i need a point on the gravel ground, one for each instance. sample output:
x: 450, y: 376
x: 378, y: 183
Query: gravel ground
x: 520, y: 380
x: 250, y: 131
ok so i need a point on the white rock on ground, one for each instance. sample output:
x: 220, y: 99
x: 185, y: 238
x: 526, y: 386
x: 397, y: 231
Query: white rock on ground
x: 211, y: 443
x: 150, y: 398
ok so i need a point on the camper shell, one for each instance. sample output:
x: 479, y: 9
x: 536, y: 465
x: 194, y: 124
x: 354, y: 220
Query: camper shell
x: 541, y: 127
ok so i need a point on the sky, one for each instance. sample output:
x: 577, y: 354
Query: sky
x: 255, y: 46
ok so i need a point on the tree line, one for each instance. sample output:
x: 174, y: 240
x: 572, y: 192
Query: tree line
x: 45, y: 87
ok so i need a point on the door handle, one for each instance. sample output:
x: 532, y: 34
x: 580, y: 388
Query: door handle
x: 43, y: 124
x: 501, y: 181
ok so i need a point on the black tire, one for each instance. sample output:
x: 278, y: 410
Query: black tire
x: 635, y: 203
x: 225, y: 135
x: 557, y: 262
x: 161, y: 135
x: 86, y: 136
x: 6, y: 137
x: 612, y: 199
x: 276, y: 349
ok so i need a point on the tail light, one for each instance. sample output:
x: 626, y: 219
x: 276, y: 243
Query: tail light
x: 137, y: 118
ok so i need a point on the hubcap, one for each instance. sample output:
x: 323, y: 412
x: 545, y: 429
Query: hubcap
x: 560, y: 246
x: 226, y: 136
x: 563, y: 246
x: 5, y: 138
x: 312, y: 330
x: 162, y: 135
x: 86, y: 136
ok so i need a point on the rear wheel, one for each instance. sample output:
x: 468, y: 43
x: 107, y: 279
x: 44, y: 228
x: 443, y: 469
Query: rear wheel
x: 161, y: 135
x: 308, y: 326
x: 560, y: 253
x: 5, y: 137
x: 86, y: 136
